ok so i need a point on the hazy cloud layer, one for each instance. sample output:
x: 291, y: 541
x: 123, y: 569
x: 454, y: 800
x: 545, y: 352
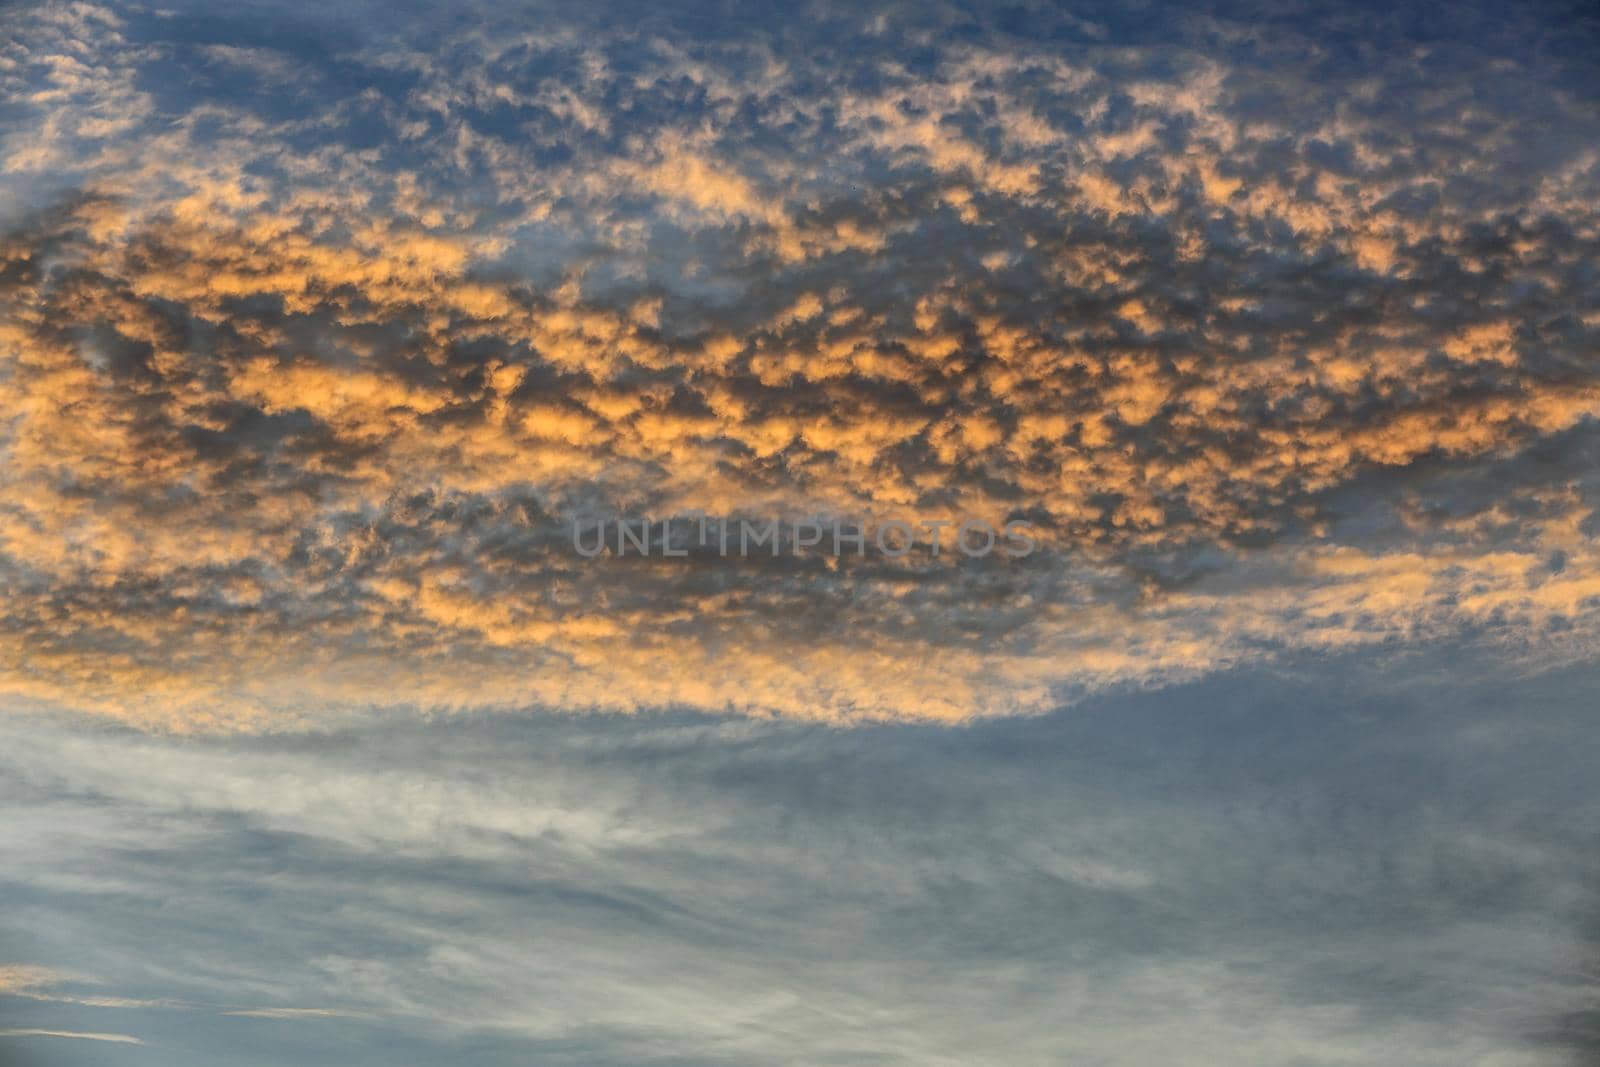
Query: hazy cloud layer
x: 1322, y: 867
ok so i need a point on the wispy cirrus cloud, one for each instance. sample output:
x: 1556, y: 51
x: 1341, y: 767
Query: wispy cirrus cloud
x: 291, y: 1014
x: 1345, y: 861
x: 116, y: 1039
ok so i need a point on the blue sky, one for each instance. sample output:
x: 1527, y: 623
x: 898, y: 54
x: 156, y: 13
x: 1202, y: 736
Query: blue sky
x: 324, y: 326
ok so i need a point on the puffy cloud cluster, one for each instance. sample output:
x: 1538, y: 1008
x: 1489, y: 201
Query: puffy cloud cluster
x: 311, y: 355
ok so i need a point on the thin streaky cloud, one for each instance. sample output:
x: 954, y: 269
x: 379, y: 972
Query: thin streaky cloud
x: 295, y: 1013
x: 116, y: 1039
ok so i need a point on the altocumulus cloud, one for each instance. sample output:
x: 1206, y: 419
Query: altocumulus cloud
x: 321, y: 327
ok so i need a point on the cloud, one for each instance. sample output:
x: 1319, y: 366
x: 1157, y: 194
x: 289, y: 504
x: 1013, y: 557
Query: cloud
x: 303, y: 404
x: 291, y: 1013
x: 118, y: 1039
x: 318, y: 331
x: 1346, y: 860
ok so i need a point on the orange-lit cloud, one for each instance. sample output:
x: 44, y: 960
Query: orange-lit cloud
x: 289, y: 428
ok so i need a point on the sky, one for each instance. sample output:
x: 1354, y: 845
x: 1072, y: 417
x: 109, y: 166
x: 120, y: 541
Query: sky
x: 326, y: 331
